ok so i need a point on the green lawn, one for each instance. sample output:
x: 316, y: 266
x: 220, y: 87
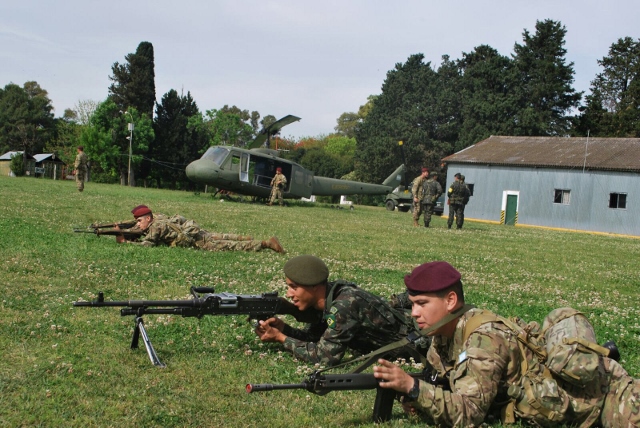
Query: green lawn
x: 66, y: 366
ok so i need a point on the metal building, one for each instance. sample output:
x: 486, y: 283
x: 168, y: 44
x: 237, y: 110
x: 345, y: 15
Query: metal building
x: 567, y: 183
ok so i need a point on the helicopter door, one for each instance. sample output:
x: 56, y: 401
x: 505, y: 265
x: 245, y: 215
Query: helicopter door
x: 244, y: 167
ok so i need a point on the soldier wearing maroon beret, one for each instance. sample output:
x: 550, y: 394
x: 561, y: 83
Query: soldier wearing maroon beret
x: 484, y: 368
x: 177, y: 231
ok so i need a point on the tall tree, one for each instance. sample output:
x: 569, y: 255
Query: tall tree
x: 489, y: 105
x: 179, y: 139
x: 544, y: 82
x: 230, y: 126
x: 134, y: 82
x: 613, y: 107
x: 107, y: 142
x: 413, y: 108
x: 26, y: 118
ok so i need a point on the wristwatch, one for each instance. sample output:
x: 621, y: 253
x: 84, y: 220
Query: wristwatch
x: 415, y: 391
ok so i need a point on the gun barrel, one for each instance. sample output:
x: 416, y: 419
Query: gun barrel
x: 141, y: 303
x: 262, y: 387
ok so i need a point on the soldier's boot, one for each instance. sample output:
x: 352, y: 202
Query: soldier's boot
x: 273, y: 244
x: 448, y: 225
x: 415, y: 223
x: 426, y: 224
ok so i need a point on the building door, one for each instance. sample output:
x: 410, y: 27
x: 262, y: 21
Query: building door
x: 511, y: 213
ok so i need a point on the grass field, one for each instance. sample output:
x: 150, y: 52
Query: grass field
x: 66, y: 366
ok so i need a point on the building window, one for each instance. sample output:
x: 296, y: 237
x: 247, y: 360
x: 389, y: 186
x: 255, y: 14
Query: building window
x: 562, y: 196
x: 618, y: 200
x: 470, y: 187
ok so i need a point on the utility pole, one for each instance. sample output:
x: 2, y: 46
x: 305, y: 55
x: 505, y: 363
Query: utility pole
x: 130, y: 127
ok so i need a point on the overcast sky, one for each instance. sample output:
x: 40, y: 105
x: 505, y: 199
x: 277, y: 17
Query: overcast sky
x: 315, y: 60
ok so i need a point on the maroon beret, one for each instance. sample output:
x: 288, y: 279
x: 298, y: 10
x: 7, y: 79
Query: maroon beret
x: 140, y: 210
x: 278, y: 169
x: 431, y: 277
x: 425, y: 169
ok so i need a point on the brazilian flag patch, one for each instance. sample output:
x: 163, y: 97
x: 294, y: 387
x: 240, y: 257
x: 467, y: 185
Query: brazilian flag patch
x: 331, y: 321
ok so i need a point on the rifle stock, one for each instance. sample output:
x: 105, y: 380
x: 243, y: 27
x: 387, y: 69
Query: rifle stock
x: 204, y: 302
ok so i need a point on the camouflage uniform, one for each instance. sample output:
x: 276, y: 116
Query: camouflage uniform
x: 355, y: 319
x: 81, y: 170
x: 278, y: 183
x: 482, y: 368
x: 432, y: 191
x: 457, y: 193
x: 177, y: 231
x: 416, y: 191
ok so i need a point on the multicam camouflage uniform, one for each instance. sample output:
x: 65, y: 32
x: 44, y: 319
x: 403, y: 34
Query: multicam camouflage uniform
x: 81, y: 170
x: 432, y: 191
x: 416, y: 191
x: 482, y: 368
x: 458, y: 193
x: 278, y: 183
x: 355, y: 320
x: 177, y: 231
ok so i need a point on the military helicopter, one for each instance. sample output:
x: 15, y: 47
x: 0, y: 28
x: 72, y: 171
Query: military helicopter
x: 248, y: 171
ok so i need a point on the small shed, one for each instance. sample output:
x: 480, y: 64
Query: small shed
x: 588, y: 184
x: 5, y: 163
x: 49, y: 165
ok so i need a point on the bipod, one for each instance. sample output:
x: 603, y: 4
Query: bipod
x: 139, y: 329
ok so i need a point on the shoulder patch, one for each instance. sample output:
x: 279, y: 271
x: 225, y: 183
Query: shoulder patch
x: 462, y: 357
x: 333, y: 310
x: 331, y: 321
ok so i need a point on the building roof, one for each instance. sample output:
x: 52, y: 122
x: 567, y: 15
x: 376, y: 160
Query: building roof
x: 610, y: 154
x: 51, y: 157
x: 7, y: 156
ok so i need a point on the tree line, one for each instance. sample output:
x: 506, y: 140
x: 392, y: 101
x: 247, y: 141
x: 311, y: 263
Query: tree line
x: 435, y: 111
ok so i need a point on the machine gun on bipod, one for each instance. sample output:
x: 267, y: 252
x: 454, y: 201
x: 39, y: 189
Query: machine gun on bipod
x: 204, y: 302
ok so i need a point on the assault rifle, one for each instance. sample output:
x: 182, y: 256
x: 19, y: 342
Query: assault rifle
x: 320, y: 383
x: 204, y: 302
x: 108, y: 229
x: 122, y: 225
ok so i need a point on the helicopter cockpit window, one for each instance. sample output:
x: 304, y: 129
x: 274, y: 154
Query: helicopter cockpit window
x: 216, y: 154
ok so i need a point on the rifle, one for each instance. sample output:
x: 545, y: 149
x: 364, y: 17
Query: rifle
x: 129, y: 234
x: 122, y: 225
x: 204, y: 302
x: 320, y: 383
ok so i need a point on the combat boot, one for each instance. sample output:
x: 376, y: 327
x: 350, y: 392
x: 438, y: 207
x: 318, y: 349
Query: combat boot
x: 273, y: 244
x: 415, y: 223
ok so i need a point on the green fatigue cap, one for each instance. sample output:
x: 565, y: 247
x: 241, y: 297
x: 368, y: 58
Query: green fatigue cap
x: 306, y: 270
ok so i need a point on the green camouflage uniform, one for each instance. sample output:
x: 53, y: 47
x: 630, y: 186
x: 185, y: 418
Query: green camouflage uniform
x: 177, y: 231
x: 457, y: 193
x: 482, y: 368
x: 432, y: 191
x: 81, y: 170
x: 416, y: 191
x: 356, y: 320
x: 278, y: 183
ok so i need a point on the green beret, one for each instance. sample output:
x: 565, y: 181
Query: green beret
x: 306, y: 270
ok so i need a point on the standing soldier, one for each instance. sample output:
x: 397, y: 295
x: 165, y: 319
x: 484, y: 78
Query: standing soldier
x: 81, y: 168
x: 278, y: 182
x: 458, y: 195
x: 432, y: 191
x: 416, y: 191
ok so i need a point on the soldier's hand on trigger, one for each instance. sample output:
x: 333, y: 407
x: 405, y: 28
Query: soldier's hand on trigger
x: 270, y: 330
x: 392, y: 376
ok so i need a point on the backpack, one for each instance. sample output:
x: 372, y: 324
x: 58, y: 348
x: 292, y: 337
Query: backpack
x: 563, y: 375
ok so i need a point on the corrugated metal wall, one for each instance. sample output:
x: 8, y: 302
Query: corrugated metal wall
x: 589, y: 196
